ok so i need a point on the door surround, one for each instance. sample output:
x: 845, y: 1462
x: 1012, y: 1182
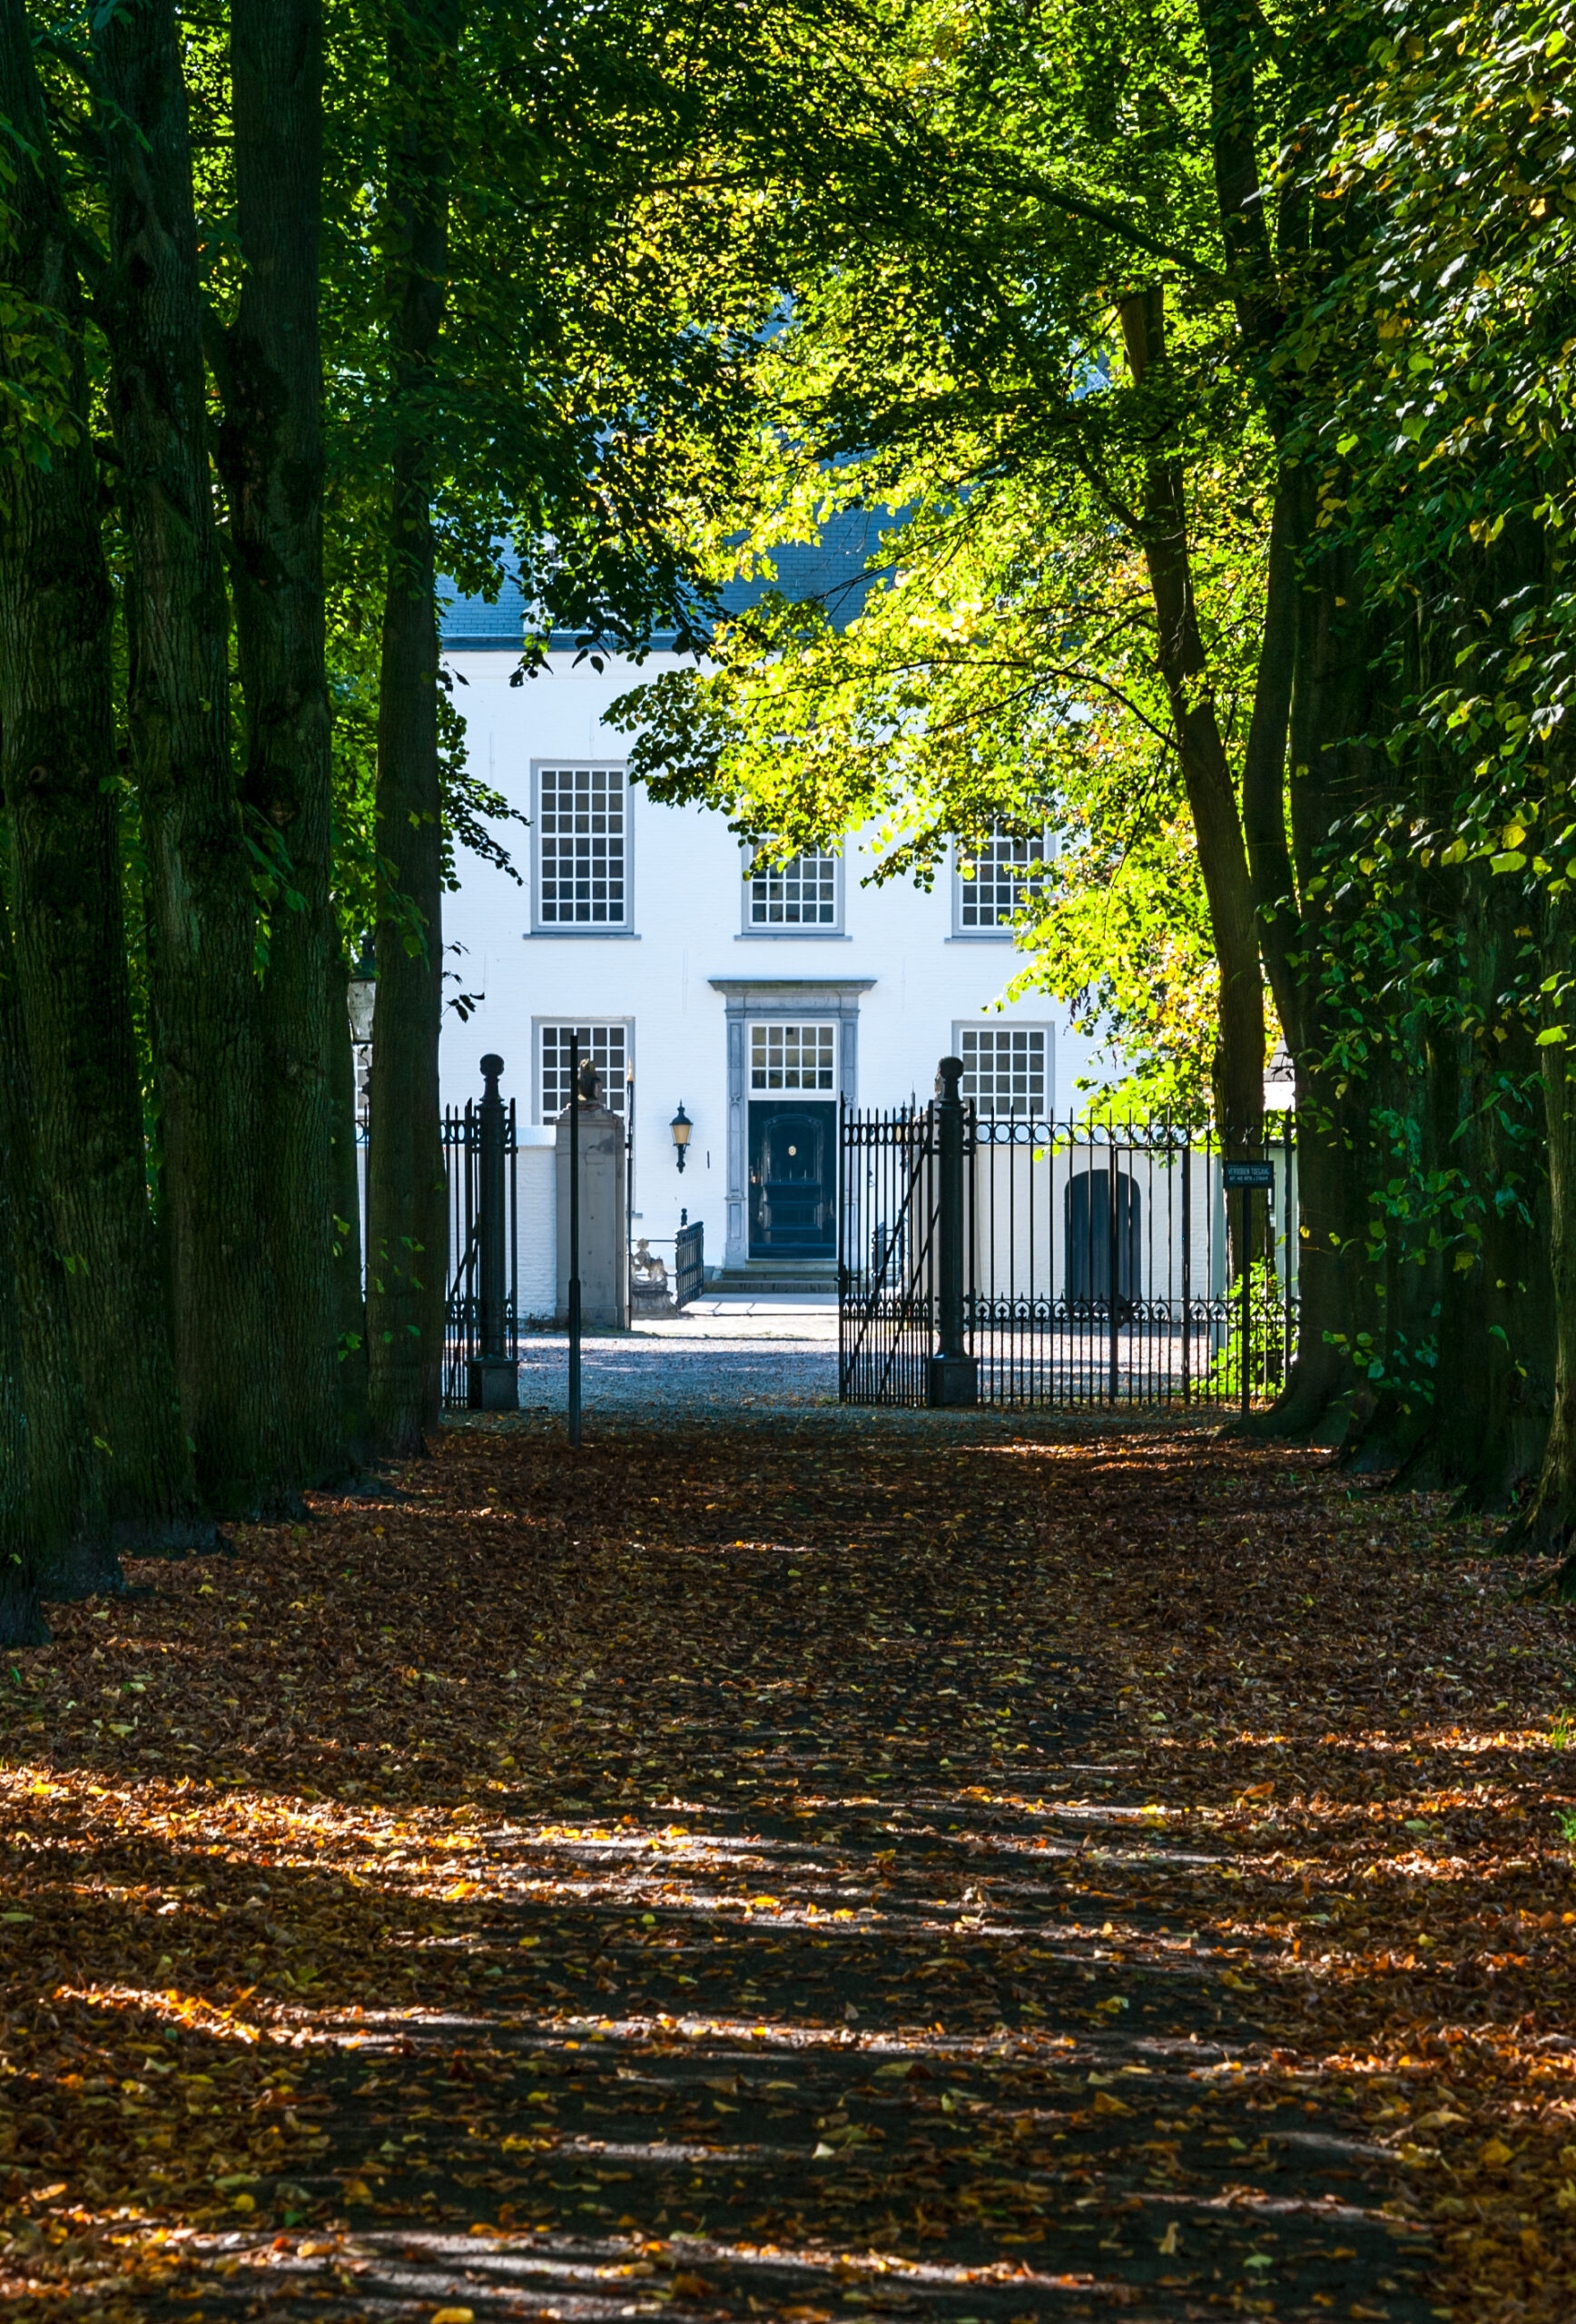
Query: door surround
x: 784, y: 998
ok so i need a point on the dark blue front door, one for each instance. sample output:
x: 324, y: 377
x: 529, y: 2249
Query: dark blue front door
x: 792, y: 1180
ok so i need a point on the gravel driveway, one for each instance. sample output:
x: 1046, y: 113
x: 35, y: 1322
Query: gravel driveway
x: 755, y: 1354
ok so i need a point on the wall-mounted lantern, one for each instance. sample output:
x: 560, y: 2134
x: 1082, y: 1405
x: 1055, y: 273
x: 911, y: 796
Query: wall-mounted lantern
x: 680, y: 1127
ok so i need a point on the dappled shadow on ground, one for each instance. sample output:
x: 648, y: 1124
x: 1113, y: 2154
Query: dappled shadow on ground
x: 937, y: 1872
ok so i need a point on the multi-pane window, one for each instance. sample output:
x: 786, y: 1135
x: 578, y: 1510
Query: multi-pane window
x: 582, y: 847
x: 995, y: 877
x: 794, y: 1057
x: 607, y: 1046
x: 802, y: 893
x: 1005, y: 1069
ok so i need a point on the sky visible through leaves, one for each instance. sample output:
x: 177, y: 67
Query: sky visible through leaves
x: 799, y: 1869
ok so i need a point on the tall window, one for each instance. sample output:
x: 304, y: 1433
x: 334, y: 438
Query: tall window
x: 608, y: 1047
x: 1006, y: 1069
x: 794, y: 1057
x: 994, y: 880
x: 802, y: 893
x: 582, y: 847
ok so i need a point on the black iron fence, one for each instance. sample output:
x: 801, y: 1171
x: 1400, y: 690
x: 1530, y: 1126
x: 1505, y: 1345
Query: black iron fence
x: 1132, y: 1263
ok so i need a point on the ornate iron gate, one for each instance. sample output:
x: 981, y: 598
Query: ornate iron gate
x: 889, y: 1187
x: 1103, y: 1264
x: 481, y: 1299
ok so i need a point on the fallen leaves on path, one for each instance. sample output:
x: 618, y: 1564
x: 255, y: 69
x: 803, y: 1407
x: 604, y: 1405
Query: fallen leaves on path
x: 793, y: 1869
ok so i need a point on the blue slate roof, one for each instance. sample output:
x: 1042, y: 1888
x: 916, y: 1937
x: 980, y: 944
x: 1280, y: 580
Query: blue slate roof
x: 831, y: 570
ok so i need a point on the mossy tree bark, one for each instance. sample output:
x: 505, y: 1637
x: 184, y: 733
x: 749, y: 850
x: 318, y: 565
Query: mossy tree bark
x: 203, y: 910
x: 62, y: 790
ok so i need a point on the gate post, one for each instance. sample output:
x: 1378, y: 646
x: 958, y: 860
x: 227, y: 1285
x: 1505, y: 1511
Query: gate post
x: 954, y: 1377
x: 494, y: 1385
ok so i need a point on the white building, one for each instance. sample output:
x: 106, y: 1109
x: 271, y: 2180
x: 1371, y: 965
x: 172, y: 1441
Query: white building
x: 754, y: 1000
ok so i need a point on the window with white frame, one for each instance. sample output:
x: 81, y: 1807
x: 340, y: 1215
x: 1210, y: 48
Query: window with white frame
x: 607, y: 1046
x: 994, y: 878
x: 1006, y: 1069
x: 792, y: 1057
x: 582, y: 847
x: 801, y: 894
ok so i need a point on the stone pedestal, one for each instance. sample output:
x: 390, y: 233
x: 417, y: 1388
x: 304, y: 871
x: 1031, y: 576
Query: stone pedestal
x: 493, y: 1385
x: 952, y: 1380
x: 604, y: 1247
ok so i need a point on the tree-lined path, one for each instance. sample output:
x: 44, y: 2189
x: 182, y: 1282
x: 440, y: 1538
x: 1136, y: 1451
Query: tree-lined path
x: 799, y: 1867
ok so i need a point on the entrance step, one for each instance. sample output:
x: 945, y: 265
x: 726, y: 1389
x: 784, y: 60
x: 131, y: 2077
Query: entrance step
x: 760, y: 1277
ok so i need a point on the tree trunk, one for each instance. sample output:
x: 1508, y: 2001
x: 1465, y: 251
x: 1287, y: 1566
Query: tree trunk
x: 407, y: 1225
x: 61, y: 784
x: 66, y: 1551
x: 1337, y: 705
x: 1271, y: 873
x: 1407, y: 1136
x: 205, y: 1016
x: 1494, y: 1327
x: 22, y: 1621
x: 1549, y: 1522
x: 1207, y: 771
x: 271, y: 454
x: 351, y: 1302
x: 1316, y: 657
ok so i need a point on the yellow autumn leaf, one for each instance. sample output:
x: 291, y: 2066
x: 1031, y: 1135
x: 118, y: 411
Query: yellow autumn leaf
x: 1167, y: 2246
x: 454, y: 2315
x: 1106, y: 2104
x: 1495, y: 2153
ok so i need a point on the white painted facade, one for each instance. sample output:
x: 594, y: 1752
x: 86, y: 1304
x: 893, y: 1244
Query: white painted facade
x: 711, y: 992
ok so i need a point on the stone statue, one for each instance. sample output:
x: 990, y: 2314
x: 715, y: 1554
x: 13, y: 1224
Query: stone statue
x: 651, y: 1272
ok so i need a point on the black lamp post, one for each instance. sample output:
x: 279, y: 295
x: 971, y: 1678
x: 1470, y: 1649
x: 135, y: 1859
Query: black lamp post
x: 680, y: 1127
